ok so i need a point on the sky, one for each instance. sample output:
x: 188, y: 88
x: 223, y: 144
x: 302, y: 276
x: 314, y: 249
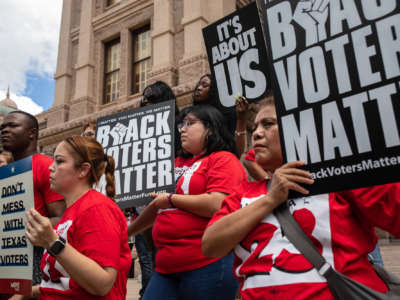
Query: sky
x: 29, y: 32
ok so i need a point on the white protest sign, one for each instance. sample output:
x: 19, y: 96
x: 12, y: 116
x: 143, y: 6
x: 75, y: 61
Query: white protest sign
x: 16, y: 252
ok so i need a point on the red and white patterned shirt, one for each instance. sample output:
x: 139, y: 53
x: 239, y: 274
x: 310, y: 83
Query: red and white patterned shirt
x: 96, y: 227
x: 340, y: 225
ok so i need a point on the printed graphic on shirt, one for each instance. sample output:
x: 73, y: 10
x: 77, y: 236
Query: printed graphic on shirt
x: 188, y: 175
x: 269, y: 259
x: 186, y: 172
x: 54, y: 275
x: 179, y: 171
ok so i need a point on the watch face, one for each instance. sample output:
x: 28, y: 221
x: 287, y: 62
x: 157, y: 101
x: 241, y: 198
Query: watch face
x: 57, y: 247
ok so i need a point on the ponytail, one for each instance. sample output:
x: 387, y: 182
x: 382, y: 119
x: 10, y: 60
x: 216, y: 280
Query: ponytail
x: 84, y: 149
x: 110, y: 178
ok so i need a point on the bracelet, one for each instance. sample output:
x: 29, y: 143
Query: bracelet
x: 239, y: 133
x: 170, y: 200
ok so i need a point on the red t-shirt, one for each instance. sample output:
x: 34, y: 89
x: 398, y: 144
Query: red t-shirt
x: 181, y: 166
x: 96, y: 227
x: 41, y: 186
x: 251, y: 155
x: 340, y: 225
x: 177, y: 233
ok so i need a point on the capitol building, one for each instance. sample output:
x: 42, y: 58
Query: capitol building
x: 109, y: 50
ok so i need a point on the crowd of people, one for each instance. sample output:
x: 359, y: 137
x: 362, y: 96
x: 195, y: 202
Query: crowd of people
x: 216, y: 236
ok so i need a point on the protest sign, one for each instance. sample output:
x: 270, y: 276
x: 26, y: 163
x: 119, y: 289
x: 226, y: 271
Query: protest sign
x: 237, y: 56
x: 142, y: 144
x: 16, y: 254
x: 336, y: 73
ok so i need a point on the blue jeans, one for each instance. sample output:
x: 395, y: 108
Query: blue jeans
x: 376, y: 256
x: 212, y: 282
x: 145, y: 262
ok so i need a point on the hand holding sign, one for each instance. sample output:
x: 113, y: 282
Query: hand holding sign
x: 242, y: 106
x: 288, y: 177
x: 312, y: 16
x: 39, y: 229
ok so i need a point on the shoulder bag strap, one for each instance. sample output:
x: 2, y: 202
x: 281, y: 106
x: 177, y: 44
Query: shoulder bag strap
x: 300, y: 240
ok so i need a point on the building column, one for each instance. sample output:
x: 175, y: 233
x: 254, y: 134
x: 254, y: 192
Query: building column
x: 194, y: 62
x: 62, y: 89
x: 83, y: 102
x: 163, y: 43
x: 196, y: 15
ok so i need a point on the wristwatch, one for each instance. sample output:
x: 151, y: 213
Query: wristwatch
x: 57, y: 246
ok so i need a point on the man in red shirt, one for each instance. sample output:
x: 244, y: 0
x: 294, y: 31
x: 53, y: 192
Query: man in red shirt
x: 19, y: 134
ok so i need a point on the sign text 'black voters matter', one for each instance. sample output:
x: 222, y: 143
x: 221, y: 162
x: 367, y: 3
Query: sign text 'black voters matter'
x: 336, y: 75
x: 142, y: 144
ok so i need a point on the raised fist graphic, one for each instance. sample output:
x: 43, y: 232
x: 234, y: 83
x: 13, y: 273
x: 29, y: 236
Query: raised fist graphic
x: 312, y: 16
x: 118, y: 133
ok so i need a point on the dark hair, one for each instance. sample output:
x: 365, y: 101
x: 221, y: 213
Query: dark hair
x: 32, y: 119
x: 220, y: 139
x: 91, y: 124
x: 84, y: 149
x: 212, y: 98
x: 157, y: 92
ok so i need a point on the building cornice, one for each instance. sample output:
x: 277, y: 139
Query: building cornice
x: 186, y: 61
x: 118, y: 12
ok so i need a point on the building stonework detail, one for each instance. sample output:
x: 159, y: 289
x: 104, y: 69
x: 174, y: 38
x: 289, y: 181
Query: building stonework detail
x: 80, y: 77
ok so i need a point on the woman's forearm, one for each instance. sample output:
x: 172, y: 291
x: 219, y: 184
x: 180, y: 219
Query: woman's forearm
x: 144, y: 220
x: 204, y: 205
x: 87, y: 273
x: 222, y: 236
x: 255, y: 170
x: 240, y: 136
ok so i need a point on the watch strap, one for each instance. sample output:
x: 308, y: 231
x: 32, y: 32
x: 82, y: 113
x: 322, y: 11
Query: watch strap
x: 56, y: 248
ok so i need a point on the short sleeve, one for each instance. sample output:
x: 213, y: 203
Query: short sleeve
x: 378, y: 205
x: 225, y: 173
x: 251, y: 155
x: 98, y: 235
x: 230, y: 204
x: 43, y: 176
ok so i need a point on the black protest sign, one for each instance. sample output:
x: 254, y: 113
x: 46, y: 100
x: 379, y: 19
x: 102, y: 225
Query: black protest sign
x: 237, y: 56
x: 336, y: 73
x: 142, y: 144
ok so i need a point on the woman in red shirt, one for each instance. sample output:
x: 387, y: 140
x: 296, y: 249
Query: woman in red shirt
x: 341, y: 226
x: 182, y: 271
x: 87, y: 254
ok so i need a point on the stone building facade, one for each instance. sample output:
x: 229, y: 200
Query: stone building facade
x: 109, y: 50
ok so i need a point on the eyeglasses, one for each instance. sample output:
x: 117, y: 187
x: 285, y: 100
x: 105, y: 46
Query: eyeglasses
x: 187, y: 123
x: 89, y: 133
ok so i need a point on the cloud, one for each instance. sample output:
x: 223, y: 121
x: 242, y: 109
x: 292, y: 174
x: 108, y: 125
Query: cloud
x: 29, y: 32
x: 24, y: 103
